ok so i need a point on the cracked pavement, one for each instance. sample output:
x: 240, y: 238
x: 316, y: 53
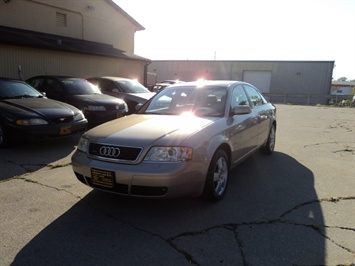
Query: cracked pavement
x: 296, y: 207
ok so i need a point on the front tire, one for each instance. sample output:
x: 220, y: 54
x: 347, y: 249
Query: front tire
x: 269, y: 146
x: 3, y: 137
x: 217, y: 177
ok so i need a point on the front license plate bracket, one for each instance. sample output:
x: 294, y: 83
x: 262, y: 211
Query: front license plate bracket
x: 65, y: 130
x: 102, y: 178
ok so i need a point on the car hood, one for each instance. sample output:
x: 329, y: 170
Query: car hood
x: 39, y: 106
x: 97, y: 99
x: 145, y: 130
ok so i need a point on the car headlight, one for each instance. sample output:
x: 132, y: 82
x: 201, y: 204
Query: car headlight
x: 79, y: 116
x: 83, y: 144
x: 169, y: 154
x: 31, y: 122
x: 95, y: 108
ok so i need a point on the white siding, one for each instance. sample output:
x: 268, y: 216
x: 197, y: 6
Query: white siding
x: 259, y: 79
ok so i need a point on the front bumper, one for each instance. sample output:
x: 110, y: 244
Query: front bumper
x: 47, y: 131
x: 96, y: 118
x: 157, y: 180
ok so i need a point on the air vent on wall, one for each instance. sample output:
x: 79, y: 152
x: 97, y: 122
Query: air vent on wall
x: 61, y: 20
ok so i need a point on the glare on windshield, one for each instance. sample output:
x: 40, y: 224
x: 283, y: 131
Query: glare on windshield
x: 209, y: 101
x: 80, y: 87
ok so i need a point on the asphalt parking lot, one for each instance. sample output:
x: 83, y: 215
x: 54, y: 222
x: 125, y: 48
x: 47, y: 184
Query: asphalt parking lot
x: 295, y: 207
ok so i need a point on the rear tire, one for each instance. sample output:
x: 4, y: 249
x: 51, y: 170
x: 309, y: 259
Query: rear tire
x: 217, y: 177
x: 269, y: 146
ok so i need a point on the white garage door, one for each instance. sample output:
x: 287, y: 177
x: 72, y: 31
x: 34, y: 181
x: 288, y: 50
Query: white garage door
x: 259, y: 79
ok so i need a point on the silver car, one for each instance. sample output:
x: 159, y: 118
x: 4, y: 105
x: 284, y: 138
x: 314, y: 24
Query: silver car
x: 182, y: 142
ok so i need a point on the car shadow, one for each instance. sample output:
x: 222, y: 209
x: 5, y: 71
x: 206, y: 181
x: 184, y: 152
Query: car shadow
x: 270, y: 215
x: 25, y: 156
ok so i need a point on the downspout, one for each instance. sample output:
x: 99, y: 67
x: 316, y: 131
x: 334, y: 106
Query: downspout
x: 145, y: 78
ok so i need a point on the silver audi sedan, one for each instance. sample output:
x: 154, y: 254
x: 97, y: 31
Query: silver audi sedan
x: 182, y: 142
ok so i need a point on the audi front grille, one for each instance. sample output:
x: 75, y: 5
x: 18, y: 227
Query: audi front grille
x: 114, y: 153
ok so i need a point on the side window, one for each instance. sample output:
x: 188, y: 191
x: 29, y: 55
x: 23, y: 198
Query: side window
x: 94, y: 81
x: 107, y: 85
x: 36, y: 83
x: 239, y: 97
x: 254, y: 96
x: 53, y: 86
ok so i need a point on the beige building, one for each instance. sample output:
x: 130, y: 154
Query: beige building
x: 60, y: 37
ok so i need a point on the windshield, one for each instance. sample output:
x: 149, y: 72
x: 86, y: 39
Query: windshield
x: 13, y: 90
x: 79, y: 87
x: 205, y: 102
x: 131, y: 86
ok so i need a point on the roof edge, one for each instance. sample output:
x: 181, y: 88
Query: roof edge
x: 273, y: 61
x: 119, y: 9
x: 46, y: 41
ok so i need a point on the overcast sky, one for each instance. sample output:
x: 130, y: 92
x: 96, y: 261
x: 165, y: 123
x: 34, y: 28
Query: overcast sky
x: 311, y: 30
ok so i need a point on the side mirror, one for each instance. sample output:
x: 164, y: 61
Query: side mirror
x: 241, y: 110
x: 138, y: 106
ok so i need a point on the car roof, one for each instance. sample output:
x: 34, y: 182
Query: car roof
x: 110, y: 78
x: 169, y: 80
x: 202, y: 83
x: 56, y: 77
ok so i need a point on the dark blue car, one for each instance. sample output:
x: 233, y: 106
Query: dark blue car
x: 26, y: 114
x: 98, y: 108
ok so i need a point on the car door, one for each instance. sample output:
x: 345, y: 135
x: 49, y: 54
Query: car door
x: 244, y: 132
x: 261, y: 112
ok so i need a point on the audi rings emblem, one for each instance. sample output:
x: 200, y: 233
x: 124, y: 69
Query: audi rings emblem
x: 107, y: 151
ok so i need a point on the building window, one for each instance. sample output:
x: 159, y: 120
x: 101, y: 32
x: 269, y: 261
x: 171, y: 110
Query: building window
x: 61, y: 20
